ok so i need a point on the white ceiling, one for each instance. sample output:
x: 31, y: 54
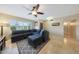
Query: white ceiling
x: 48, y: 9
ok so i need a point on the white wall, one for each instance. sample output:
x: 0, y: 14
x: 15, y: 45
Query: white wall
x: 55, y: 30
x: 59, y: 30
x: 77, y: 31
x: 6, y: 29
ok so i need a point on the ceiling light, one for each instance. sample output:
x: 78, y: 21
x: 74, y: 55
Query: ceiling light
x: 34, y: 13
x: 50, y: 18
x: 65, y: 40
x: 65, y: 23
x: 72, y: 23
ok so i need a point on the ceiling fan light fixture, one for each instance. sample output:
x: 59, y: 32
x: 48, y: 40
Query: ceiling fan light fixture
x: 34, y: 13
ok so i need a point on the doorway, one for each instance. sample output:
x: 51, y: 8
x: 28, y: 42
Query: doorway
x: 70, y: 29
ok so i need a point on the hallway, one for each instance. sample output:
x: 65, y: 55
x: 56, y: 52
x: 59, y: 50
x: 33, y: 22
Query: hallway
x: 66, y: 44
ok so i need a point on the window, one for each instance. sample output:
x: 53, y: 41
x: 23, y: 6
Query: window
x: 18, y: 25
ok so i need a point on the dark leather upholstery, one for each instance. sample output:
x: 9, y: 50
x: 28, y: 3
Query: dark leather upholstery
x: 35, y: 37
x: 21, y: 34
x: 39, y: 38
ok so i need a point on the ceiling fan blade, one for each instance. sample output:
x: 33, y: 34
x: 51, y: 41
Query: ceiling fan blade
x: 33, y: 9
x: 29, y: 13
x: 37, y: 6
x: 40, y: 13
x: 35, y: 15
x: 26, y: 8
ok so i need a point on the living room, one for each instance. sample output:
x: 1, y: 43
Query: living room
x: 39, y: 28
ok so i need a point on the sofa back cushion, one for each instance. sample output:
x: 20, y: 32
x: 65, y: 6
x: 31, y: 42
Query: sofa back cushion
x: 18, y: 32
x: 41, y: 32
x: 45, y: 35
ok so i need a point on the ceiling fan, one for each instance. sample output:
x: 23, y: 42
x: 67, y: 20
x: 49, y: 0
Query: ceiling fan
x: 34, y: 10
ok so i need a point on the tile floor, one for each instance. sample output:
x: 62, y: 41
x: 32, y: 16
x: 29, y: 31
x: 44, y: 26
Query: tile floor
x: 61, y: 45
x: 11, y: 48
x: 55, y: 45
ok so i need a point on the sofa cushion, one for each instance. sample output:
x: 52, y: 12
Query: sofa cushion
x: 18, y: 32
x: 22, y: 34
x: 34, y: 36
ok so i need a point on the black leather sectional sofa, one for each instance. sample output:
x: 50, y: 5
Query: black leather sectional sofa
x: 35, y: 37
x: 38, y: 38
x: 22, y: 34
